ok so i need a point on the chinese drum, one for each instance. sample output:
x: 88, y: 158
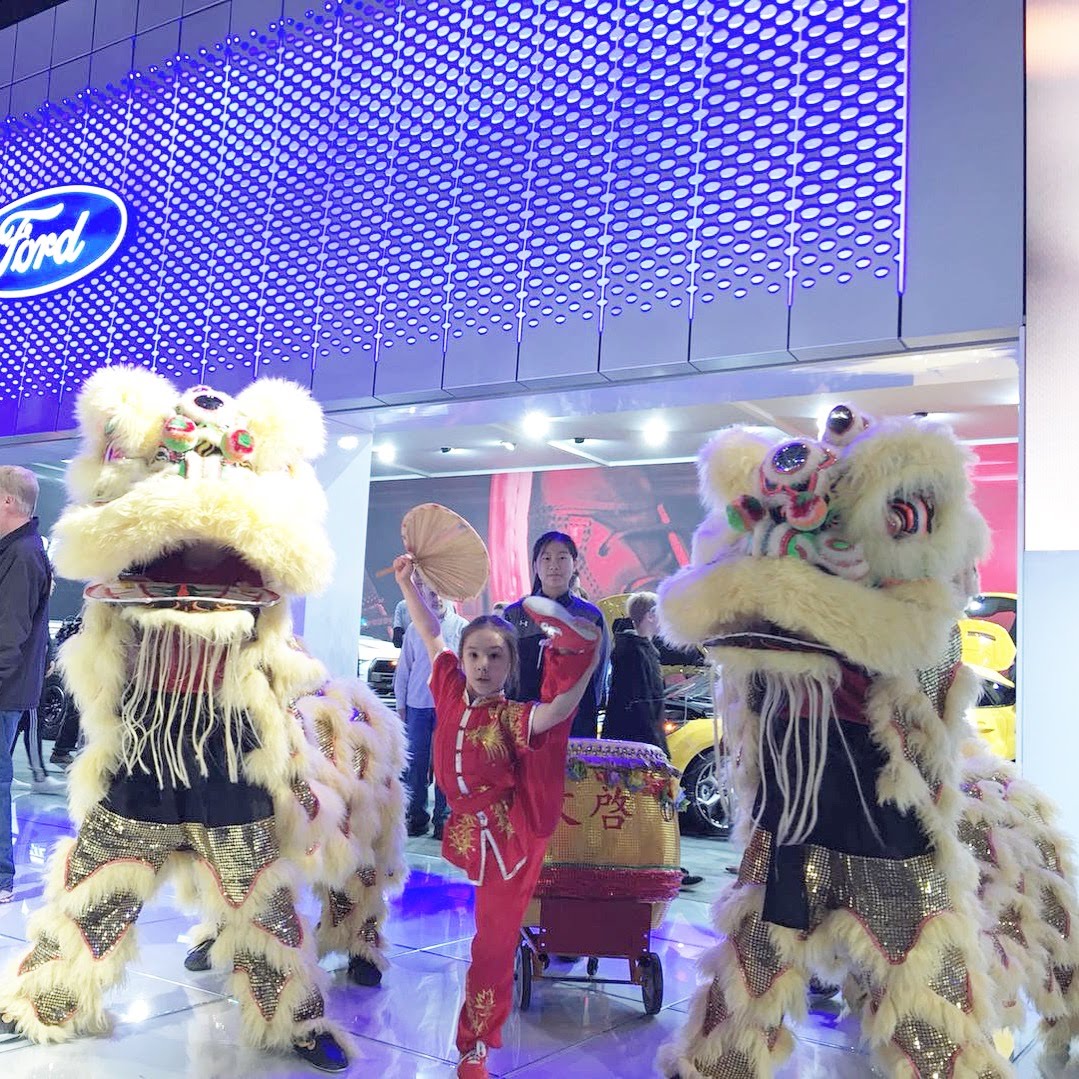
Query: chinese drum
x: 618, y: 834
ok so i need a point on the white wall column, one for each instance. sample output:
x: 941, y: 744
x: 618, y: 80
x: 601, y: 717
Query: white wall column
x: 1049, y: 571
x: 330, y: 623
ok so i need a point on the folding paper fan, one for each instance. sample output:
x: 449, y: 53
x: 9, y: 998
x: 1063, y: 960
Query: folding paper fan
x: 447, y: 551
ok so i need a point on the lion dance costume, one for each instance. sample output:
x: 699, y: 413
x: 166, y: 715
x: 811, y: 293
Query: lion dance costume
x: 216, y: 747
x: 885, y: 850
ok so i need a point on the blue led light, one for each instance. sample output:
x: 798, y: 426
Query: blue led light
x: 371, y: 180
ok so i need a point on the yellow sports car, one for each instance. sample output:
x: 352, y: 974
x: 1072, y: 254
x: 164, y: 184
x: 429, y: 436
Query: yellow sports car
x: 989, y: 635
x: 693, y: 742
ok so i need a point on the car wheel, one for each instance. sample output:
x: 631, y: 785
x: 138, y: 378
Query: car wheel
x: 708, y: 795
x: 522, y: 977
x: 55, y: 703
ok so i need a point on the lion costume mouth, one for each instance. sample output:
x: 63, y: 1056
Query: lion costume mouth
x: 197, y: 577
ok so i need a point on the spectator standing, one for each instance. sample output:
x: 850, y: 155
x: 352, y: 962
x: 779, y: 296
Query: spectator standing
x: 401, y: 620
x: 67, y: 740
x: 30, y: 729
x: 416, y: 707
x: 635, y: 699
x: 25, y: 585
x: 554, y: 565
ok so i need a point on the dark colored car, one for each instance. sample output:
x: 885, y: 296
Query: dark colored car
x: 380, y: 677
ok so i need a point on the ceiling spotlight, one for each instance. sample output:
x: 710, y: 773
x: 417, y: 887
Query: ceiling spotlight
x: 536, y: 424
x: 578, y: 441
x: 386, y: 453
x: 447, y: 449
x: 655, y: 432
x: 348, y: 442
x: 507, y: 445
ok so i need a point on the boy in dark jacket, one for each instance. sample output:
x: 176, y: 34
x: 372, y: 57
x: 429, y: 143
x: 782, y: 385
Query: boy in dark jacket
x: 635, y: 698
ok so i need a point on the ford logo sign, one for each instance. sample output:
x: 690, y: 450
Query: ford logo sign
x: 54, y: 237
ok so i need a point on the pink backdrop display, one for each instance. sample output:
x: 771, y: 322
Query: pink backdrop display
x: 996, y: 492
x: 633, y: 526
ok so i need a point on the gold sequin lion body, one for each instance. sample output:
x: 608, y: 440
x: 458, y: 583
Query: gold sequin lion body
x: 217, y: 750
x: 886, y: 850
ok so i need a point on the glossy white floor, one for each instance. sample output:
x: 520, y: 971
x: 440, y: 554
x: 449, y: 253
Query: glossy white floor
x: 172, y: 1023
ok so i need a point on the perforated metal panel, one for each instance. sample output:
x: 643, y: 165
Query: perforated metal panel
x: 377, y: 182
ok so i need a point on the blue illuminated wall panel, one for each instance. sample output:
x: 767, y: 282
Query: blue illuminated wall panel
x: 392, y: 202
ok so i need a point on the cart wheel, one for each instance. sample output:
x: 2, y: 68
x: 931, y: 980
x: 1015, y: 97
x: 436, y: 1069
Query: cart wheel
x: 522, y: 977
x: 651, y: 982
x: 592, y: 966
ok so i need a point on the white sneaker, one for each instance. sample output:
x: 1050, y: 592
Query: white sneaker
x: 473, y: 1065
x: 47, y: 785
x: 6, y: 895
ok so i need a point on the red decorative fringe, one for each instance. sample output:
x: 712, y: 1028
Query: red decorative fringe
x: 591, y: 882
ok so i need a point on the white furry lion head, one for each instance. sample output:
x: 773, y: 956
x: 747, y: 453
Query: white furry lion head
x: 194, y: 495
x: 880, y: 502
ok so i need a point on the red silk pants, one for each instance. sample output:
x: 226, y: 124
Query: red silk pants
x: 500, y: 907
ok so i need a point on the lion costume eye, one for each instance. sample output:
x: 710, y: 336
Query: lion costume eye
x: 912, y: 516
x: 840, y: 420
x: 790, y: 458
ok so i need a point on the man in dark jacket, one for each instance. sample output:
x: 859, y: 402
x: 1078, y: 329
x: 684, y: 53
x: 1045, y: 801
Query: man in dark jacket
x: 25, y: 583
x: 635, y: 699
x: 554, y: 564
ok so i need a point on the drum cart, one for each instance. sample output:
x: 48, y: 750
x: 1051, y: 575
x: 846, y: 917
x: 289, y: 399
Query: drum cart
x: 591, y: 929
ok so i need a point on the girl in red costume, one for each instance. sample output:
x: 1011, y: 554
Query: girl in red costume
x: 501, y: 764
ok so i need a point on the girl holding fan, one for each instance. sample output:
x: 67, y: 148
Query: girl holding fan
x: 501, y: 765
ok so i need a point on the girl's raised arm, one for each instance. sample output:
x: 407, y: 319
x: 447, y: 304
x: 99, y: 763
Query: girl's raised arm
x: 423, y: 618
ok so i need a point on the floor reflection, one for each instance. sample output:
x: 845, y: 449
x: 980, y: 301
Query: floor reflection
x: 170, y: 1022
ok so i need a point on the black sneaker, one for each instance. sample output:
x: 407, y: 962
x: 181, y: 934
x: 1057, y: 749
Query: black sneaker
x: 363, y: 972
x: 198, y: 959
x: 322, y: 1051
x: 61, y: 759
x: 416, y: 828
x: 436, y: 832
x: 689, y: 879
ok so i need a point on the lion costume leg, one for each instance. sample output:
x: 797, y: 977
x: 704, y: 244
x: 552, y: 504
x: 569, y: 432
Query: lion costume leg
x: 83, y: 938
x: 1027, y: 891
x: 736, y: 1025
x: 924, y: 996
x: 920, y: 1027
x: 352, y: 918
x: 360, y: 750
x: 249, y: 891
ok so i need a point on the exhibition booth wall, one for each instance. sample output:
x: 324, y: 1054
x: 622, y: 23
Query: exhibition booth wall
x: 393, y: 203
